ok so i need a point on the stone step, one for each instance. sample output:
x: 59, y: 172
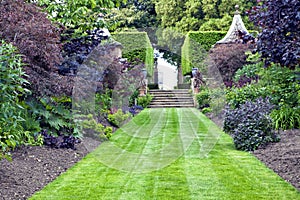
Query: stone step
x: 171, y: 98
x: 171, y: 106
x: 171, y: 95
x: 181, y: 91
x: 173, y: 101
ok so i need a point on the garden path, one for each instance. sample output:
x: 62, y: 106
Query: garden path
x: 175, y: 153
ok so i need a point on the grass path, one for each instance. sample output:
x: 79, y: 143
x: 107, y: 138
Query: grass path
x: 169, y: 154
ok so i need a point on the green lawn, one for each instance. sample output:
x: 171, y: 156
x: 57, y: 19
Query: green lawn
x: 169, y: 154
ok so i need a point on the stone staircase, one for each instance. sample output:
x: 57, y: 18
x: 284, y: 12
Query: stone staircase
x: 171, y: 98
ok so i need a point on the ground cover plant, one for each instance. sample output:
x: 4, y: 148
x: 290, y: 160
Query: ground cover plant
x: 140, y: 163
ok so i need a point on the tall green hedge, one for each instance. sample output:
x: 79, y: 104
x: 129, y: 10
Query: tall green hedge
x: 136, y: 45
x: 195, y: 47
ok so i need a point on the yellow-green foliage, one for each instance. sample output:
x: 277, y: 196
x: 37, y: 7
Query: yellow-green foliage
x: 90, y: 124
x: 136, y: 45
x: 118, y: 118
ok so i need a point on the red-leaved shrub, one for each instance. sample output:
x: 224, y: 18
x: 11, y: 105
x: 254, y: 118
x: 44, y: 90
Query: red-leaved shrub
x: 228, y: 58
x: 27, y: 27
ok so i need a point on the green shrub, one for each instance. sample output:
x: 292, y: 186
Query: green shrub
x: 137, y: 46
x: 103, y: 101
x: 203, y: 98
x: 250, y: 125
x: 286, y: 117
x: 54, y: 115
x: 237, y: 96
x: 206, y: 110
x: 12, y: 82
x: 217, y: 100
x: 282, y: 84
x: 249, y: 71
x: 94, y: 129
x: 119, y: 118
x: 196, y: 46
x: 275, y: 82
x: 144, y: 101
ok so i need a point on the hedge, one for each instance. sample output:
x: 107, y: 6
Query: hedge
x: 196, y: 45
x: 136, y: 45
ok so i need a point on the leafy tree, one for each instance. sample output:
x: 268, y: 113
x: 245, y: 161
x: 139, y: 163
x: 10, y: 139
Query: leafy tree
x: 190, y: 15
x: 214, y: 24
x: 210, y: 8
x: 183, y: 15
x: 134, y: 14
x: 279, y: 40
x: 80, y: 15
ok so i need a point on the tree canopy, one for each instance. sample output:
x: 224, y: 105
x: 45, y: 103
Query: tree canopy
x: 79, y: 15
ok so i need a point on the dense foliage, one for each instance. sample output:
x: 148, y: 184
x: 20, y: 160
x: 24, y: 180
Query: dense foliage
x: 279, y: 40
x: 54, y: 115
x: 214, y: 24
x: 80, y: 15
x: 144, y: 101
x: 118, y: 118
x: 203, y: 98
x: 250, y: 125
x: 92, y: 128
x: 12, y: 82
x: 195, y: 48
x: 275, y: 82
x: 26, y: 27
x: 286, y: 117
x: 190, y: 15
x: 134, y: 14
x: 228, y: 58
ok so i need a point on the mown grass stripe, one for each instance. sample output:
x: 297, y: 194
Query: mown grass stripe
x: 224, y: 173
x: 151, y: 122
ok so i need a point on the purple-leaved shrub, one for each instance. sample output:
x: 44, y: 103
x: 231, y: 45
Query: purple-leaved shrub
x: 250, y: 124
